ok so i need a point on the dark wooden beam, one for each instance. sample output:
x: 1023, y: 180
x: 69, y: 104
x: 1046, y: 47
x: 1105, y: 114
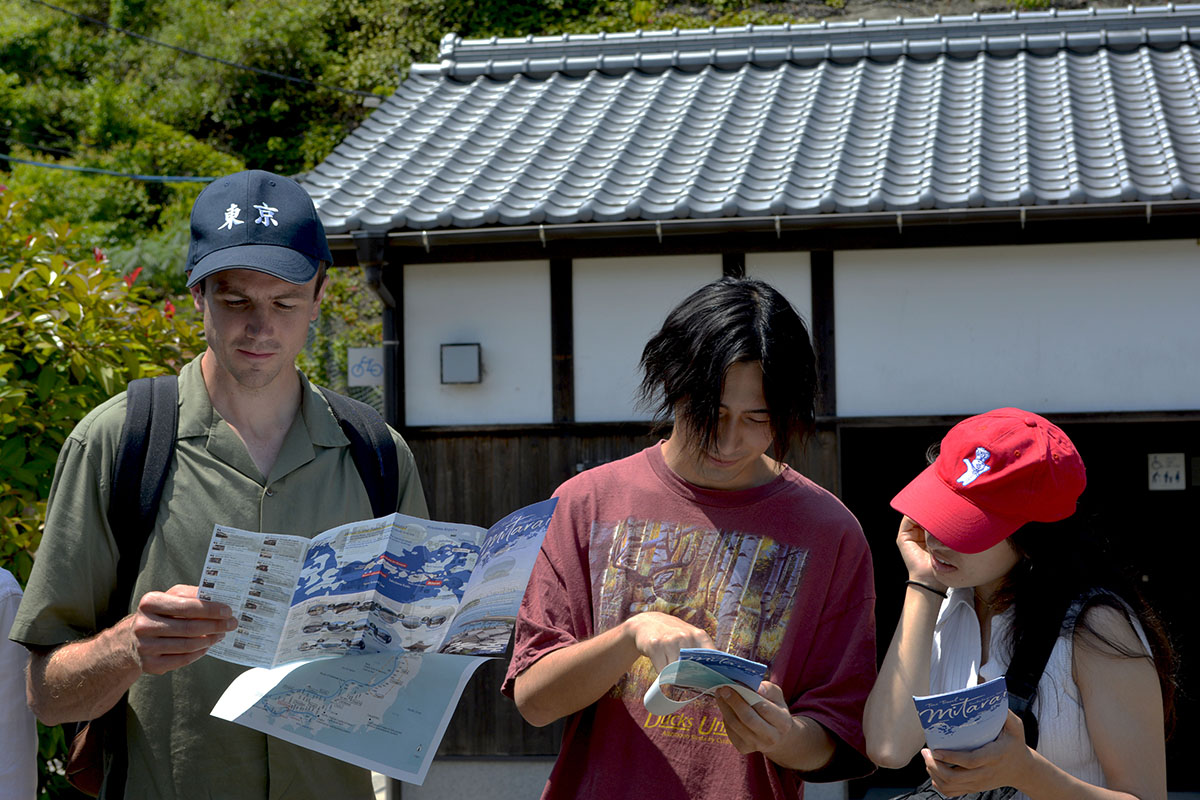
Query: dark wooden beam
x: 370, y: 251
x: 733, y: 265
x: 393, y: 351
x: 1058, y: 417
x: 823, y: 332
x: 564, y: 431
x: 562, y: 340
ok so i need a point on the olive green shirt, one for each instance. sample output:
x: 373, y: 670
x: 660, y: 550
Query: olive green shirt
x: 176, y: 750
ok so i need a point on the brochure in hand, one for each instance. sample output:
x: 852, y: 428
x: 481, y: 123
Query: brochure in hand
x: 746, y: 672
x: 365, y: 635
x: 703, y: 671
x: 964, y: 719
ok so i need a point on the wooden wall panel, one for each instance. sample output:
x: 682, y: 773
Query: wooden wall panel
x: 478, y: 476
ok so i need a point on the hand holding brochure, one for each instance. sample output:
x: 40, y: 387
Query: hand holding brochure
x: 704, y: 671
x: 412, y: 606
x: 964, y: 719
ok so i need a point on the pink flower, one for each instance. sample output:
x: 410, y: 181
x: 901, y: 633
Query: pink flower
x: 131, y: 277
x: 168, y: 309
x: 98, y: 254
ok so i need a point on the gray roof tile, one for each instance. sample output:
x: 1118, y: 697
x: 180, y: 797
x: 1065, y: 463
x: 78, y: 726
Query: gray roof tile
x: 1044, y: 108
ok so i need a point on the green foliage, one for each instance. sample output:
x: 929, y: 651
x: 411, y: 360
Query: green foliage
x: 518, y: 17
x: 722, y: 18
x: 350, y: 318
x: 104, y: 207
x: 52, y: 750
x: 115, y: 209
x: 160, y: 255
x: 73, y: 331
x: 641, y: 12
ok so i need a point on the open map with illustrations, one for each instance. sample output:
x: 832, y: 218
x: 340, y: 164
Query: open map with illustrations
x: 366, y: 635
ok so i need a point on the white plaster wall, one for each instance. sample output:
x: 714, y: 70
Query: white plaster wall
x: 619, y: 303
x: 1053, y: 328
x: 503, y: 306
x: 790, y: 273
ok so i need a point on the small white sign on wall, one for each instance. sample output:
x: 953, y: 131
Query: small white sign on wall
x: 364, y: 366
x: 1167, y: 472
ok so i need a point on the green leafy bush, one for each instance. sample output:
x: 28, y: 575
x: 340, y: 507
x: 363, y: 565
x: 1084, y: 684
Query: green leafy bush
x: 73, y: 331
x: 350, y: 317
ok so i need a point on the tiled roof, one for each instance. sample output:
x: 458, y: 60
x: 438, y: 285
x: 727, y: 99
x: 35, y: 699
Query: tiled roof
x: 1023, y: 109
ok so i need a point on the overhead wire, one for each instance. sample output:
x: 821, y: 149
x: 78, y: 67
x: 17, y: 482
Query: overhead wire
x: 90, y: 170
x: 45, y: 148
x: 40, y: 147
x: 98, y: 171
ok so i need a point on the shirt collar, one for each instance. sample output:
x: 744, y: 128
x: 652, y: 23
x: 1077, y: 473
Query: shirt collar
x: 195, y: 409
x: 956, y: 643
x: 956, y: 600
x: 959, y: 630
x: 323, y: 427
x: 720, y: 498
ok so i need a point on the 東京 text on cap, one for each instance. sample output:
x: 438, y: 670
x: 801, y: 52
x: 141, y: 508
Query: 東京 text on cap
x: 256, y: 220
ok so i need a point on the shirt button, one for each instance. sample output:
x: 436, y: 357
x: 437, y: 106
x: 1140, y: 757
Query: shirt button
x: 270, y: 493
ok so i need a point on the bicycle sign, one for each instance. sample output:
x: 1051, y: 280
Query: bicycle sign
x: 364, y: 366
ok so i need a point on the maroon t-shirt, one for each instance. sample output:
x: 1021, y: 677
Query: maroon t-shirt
x: 780, y: 573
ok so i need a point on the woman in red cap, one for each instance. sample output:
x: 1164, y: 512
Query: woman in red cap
x: 988, y: 580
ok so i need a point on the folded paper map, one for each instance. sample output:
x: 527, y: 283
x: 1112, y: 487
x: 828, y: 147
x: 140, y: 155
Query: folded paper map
x: 366, y: 635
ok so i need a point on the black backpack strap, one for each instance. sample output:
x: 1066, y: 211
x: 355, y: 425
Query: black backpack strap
x: 372, y: 448
x: 1030, y: 656
x: 139, y: 474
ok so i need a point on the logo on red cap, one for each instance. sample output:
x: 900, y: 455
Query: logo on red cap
x: 976, y: 467
x: 1019, y: 468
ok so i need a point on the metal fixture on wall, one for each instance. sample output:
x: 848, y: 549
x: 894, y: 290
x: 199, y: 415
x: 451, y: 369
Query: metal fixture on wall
x: 461, y: 363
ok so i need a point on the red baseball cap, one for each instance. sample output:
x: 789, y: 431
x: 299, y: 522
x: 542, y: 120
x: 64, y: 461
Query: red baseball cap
x: 994, y: 473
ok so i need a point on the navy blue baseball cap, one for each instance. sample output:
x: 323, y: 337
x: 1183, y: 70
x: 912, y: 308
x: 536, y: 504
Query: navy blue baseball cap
x: 260, y: 221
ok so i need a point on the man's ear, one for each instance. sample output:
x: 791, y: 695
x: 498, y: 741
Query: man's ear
x: 198, y: 295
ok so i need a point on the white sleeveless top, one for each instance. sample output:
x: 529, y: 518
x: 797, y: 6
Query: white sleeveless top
x: 1062, y: 728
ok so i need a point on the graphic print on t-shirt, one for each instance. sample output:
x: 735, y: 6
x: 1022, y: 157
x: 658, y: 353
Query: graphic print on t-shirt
x: 738, y: 587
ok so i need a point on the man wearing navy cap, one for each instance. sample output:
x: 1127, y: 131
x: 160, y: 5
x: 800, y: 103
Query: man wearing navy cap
x: 257, y: 447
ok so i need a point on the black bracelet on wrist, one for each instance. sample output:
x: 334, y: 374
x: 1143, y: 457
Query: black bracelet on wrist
x: 926, y: 587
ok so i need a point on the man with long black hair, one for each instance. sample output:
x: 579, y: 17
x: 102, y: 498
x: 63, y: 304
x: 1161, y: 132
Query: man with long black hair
x: 707, y: 539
